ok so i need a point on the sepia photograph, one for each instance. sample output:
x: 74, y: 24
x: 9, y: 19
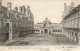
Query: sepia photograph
x: 39, y: 23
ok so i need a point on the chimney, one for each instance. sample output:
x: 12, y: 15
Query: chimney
x: 64, y: 6
x: 16, y: 9
x: 0, y: 3
x: 21, y: 10
x: 9, y: 5
x: 28, y: 10
x: 72, y: 4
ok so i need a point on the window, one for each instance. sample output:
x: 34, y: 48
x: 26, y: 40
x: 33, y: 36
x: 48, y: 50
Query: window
x: 7, y: 25
x: 9, y: 15
x: 26, y: 18
x: 0, y: 14
x: 22, y: 17
x: 29, y: 19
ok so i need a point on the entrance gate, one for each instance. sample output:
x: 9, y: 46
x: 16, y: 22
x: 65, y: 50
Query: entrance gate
x: 45, y: 31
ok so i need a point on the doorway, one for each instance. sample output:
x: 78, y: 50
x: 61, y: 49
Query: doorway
x: 7, y: 34
x: 45, y: 31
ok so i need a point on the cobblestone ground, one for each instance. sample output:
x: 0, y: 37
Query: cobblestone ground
x: 42, y: 39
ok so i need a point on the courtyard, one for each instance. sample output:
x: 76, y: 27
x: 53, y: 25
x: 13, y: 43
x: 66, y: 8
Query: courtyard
x: 41, y: 39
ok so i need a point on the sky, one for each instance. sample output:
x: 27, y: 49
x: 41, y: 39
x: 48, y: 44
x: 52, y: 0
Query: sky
x: 42, y: 9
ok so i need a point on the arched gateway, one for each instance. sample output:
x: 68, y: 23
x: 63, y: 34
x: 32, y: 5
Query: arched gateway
x: 45, y: 30
x: 46, y: 27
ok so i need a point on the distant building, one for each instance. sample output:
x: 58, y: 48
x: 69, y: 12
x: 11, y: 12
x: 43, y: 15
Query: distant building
x: 47, y: 27
x: 14, y: 23
x: 71, y: 23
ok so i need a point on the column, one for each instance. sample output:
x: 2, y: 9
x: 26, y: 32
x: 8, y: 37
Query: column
x: 74, y: 39
x: 72, y: 36
x: 79, y: 37
x: 10, y: 31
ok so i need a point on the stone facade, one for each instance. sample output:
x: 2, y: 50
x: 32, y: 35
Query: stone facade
x: 71, y: 23
x: 47, y: 27
x: 14, y: 23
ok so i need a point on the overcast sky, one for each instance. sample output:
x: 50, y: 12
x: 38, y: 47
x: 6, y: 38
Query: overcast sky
x: 42, y: 9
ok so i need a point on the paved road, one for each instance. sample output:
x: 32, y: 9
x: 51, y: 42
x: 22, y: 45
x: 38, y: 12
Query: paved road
x: 42, y: 39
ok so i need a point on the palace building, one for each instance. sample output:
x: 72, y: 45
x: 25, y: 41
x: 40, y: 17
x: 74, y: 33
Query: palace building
x: 15, y: 23
x: 71, y: 22
x: 46, y: 27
